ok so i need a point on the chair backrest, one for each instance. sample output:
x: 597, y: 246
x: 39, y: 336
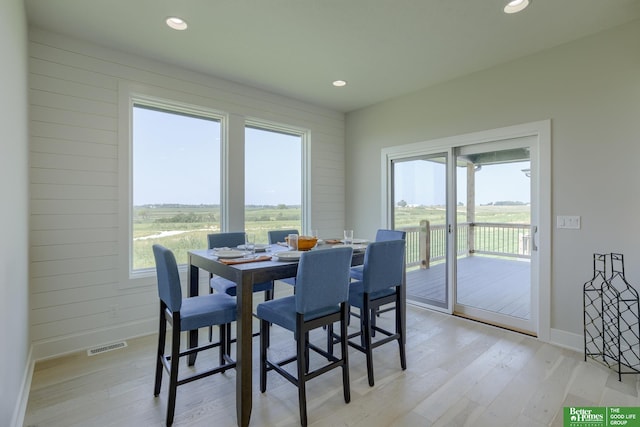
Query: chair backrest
x: 276, y: 236
x: 383, y: 265
x: 323, y: 279
x: 169, y: 289
x: 384, y: 235
x: 226, y: 240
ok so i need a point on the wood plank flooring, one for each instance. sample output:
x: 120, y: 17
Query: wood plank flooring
x: 459, y: 373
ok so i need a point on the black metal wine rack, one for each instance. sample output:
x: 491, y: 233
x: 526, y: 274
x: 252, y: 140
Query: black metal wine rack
x: 611, y: 317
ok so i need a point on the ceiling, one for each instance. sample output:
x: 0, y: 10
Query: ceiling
x: 296, y: 48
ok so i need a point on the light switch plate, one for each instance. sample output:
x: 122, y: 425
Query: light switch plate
x: 568, y: 221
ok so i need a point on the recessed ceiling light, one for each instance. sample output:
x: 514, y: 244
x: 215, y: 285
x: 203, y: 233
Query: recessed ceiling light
x: 176, y: 23
x: 516, y: 6
x: 339, y: 83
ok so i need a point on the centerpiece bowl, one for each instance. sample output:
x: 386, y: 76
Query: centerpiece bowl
x: 305, y: 242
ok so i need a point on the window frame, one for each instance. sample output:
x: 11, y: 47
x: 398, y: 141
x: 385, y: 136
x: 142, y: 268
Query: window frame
x: 170, y: 103
x: 305, y: 163
x: 232, y: 197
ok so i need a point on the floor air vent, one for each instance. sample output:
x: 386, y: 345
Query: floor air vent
x: 105, y: 348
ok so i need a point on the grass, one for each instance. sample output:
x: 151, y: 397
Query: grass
x: 183, y: 228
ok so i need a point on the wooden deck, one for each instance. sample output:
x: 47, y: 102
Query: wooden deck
x: 495, y: 284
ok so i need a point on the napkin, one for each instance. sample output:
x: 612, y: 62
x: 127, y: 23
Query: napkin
x: 244, y: 260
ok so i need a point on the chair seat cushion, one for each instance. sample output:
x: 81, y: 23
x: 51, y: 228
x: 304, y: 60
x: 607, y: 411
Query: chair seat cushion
x: 289, y: 281
x: 356, y: 294
x: 205, y: 310
x: 224, y: 286
x: 357, y: 272
x: 282, y: 312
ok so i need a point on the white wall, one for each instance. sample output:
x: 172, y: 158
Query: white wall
x: 14, y: 215
x: 75, y: 189
x: 590, y: 89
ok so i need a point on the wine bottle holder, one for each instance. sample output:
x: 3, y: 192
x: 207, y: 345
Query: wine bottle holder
x: 611, y: 317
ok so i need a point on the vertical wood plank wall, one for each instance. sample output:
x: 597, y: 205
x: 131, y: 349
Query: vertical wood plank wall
x: 74, y: 223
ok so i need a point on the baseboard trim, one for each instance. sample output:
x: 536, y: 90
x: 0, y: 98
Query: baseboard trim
x: 69, y: 344
x: 17, y: 420
x: 567, y: 340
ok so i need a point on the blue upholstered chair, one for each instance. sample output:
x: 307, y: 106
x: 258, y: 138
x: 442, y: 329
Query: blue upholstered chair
x: 222, y: 285
x: 382, y: 235
x: 185, y: 315
x: 276, y: 236
x: 322, y: 289
x: 381, y: 284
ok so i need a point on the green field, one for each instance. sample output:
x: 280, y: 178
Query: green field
x: 183, y: 228
x: 411, y: 216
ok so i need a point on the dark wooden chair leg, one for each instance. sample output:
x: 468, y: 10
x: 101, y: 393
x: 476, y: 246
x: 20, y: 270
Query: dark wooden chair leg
x: 268, y: 296
x: 210, y: 327
x: 264, y: 332
x: 306, y: 353
x: 330, y: 339
x: 228, y: 336
x: 302, y: 352
x: 223, y: 343
x: 366, y: 333
x: 401, y: 332
x: 162, y: 334
x: 173, y: 374
x: 373, y: 312
x: 344, y: 348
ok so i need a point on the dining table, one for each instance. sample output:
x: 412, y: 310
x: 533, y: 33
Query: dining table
x: 244, y: 275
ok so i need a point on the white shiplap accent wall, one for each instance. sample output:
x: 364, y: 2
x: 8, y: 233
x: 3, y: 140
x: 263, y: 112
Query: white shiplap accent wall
x: 75, y: 194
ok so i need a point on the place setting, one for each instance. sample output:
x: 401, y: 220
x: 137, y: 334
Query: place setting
x: 288, y: 255
x: 296, y: 246
x: 358, y: 245
x: 243, y: 254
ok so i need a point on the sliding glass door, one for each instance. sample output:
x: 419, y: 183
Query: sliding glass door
x: 495, y: 234
x: 470, y: 210
x: 420, y: 208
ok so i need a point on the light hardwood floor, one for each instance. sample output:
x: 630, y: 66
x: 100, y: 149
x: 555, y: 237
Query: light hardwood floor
x: 459, y: 373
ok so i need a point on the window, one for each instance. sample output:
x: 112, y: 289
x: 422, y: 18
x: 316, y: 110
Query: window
x: 273, y: 181
x: 175, y: 180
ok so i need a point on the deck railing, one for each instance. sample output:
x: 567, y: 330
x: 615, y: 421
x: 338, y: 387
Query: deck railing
x: 427, y: 243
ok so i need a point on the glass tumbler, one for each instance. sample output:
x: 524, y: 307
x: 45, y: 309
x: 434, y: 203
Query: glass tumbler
x: 250, y: 244
x: 292, y: 241
x: 348, y: 237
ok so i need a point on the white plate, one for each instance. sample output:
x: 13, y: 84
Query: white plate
x: 229, y: 254
x: 259, y: 247
x: 289, y: 255
x: 356, y: 248
x: 357, y: 241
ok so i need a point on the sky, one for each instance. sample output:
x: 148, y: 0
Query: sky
x: 420, y: 182
x: 176, y: 159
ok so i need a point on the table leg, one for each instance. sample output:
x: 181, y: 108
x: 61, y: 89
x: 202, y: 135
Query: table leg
x: 403, y: 306
x: 244, y: 350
